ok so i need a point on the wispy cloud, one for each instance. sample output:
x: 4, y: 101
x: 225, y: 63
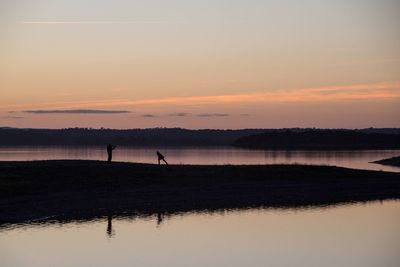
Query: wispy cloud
x: 76, y: 111
x: 371, y: 62
x: 329, y: 93
x: 13, y: 117
x: 213, y: 115
x: 148, y: 116
x: 178, y: 114
x: 378, y: 91
x: 55, y: 22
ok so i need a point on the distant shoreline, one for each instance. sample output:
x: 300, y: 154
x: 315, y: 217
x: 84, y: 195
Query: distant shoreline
x: 271, y: 139
x: 395, y: 161
x: 71, y: 189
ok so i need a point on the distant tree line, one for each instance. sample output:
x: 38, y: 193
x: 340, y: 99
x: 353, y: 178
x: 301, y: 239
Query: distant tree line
x: 294, y: 138
x: 321, y: 140
x: 131, y: 137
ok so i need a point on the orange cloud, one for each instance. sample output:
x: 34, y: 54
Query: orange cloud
x: 352, y: 92
x: 382, y: 91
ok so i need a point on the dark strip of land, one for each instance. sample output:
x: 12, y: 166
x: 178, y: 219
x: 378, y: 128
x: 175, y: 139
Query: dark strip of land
x: 286, y: 139
x: 75, y: 189
x: 319, y: 140
x: 395, y: 161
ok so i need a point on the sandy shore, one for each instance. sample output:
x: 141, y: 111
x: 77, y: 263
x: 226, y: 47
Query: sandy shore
x: 69, y: 189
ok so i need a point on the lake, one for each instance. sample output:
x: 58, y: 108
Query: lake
x: 359, y: 159
x: 356, y: 235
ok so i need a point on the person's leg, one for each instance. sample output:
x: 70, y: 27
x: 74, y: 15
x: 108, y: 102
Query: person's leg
x: 165, y: 161
x: 158, y: 161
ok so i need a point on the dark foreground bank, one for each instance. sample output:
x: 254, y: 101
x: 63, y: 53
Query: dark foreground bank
x: 395, y: 161
x: 76, y: 189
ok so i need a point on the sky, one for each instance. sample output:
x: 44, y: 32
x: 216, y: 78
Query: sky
x: 200, y: 64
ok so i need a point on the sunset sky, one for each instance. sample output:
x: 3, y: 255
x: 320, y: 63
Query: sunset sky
x: 200, y: 64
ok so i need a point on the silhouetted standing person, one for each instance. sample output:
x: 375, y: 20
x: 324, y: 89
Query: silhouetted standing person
x: 161, y: 158
x: 110, y: 148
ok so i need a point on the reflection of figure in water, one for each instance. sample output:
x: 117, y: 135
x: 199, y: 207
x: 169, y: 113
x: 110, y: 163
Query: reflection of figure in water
x: 161, y: 158
x: 160, y: 218
x: 110, y: 231
x: 110, y: 148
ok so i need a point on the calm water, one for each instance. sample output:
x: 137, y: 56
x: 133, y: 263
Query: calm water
x: 356, y: 235
x: 227, y: 155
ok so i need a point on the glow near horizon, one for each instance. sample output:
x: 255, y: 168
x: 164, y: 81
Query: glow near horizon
x: 274, y: 61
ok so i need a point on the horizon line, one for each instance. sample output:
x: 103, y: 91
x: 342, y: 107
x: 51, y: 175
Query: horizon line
x: 200, y: 129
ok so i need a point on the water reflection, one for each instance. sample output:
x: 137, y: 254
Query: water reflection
x: 357, y: 235
x: 219, y: 155
x: 110, y: 231
x: 160, y: 218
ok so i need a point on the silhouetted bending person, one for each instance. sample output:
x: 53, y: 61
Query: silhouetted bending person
x: 110, y: 148
x: 161, y: 158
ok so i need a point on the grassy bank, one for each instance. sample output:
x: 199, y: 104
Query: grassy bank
x: 72, y: 189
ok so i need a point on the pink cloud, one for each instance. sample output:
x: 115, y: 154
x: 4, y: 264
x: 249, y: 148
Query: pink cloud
x: 378, y: 91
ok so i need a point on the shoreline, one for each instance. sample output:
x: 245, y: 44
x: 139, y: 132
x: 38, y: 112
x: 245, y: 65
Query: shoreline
x: 394, y: 162
x: 71, y: 189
